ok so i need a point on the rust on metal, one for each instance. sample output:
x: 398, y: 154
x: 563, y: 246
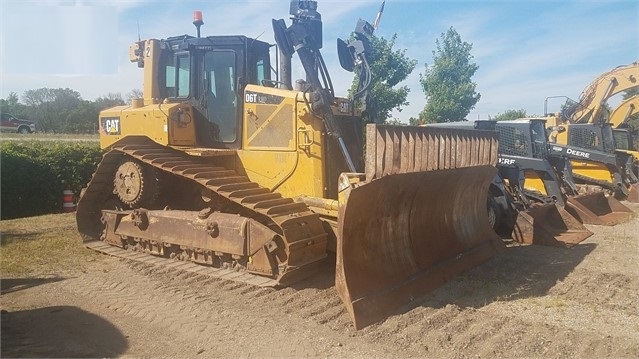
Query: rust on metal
x: 417, y: 218
x: 549, y: 225
x: 297, y: 238
x: 597, y: 208
x: 633, y: 193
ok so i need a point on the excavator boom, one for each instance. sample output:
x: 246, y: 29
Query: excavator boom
x: 594, y: 97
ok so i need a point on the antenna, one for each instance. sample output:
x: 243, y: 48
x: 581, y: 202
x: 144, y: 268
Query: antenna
x: 138, y: 21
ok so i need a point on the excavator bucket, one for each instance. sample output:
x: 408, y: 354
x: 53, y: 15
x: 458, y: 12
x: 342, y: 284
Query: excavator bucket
x: 548, y: 225
x: 596, y: 208
x: 416, y: 219
x: 633, y: 193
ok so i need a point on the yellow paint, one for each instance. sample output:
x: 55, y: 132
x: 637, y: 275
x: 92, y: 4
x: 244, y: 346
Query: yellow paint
x: 166, y: 124
x: 533, y: 182
x: 293, y: 163
x: 591, y: 169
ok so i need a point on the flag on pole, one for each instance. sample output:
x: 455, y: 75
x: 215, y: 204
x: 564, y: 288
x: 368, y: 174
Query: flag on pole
x: 379, y: 16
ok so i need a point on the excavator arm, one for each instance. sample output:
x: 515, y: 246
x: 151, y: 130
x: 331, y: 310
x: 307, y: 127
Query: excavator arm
x: 594, y: 97
x: 622, y: 113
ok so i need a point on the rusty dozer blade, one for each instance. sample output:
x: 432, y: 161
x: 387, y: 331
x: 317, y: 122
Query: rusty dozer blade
x: 405, y: 229
x: 548, y: 225
x: 597, y: 208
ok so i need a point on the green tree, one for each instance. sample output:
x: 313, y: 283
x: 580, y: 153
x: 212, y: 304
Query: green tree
x: 450, y: 92
x: 50, y: 107
x: 109, y: 100
x: 414, y: 121
x: 395, y: 121
x: 388, y: 67
x: 82, y: 119
x: 13, y: 106
x: 510, y: 115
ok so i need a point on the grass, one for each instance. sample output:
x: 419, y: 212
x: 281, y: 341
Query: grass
x: 43, y: 245
x: 38, y: 136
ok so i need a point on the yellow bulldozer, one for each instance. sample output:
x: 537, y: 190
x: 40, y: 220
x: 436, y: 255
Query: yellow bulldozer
x: 223, y: 164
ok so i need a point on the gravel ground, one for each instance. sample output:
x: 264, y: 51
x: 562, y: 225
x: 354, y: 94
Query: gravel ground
x: 529, y: 301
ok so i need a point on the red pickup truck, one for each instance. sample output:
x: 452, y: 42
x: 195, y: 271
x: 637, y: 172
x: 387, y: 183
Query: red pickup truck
x: 11, y: 123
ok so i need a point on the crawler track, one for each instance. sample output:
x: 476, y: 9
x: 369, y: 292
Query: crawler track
x: 227, y: 274
x: 293, y: 221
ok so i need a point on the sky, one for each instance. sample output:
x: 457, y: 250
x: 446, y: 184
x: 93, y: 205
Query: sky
x: 526, y: 50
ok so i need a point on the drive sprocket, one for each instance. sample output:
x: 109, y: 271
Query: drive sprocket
x: 135, y: 184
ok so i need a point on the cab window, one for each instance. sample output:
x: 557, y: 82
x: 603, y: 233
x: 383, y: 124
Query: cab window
x: 221, y: 96
x: 176, y: 76
x: 182, y: 76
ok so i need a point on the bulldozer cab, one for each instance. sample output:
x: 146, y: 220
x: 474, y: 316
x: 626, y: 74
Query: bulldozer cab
x: 210, y: 73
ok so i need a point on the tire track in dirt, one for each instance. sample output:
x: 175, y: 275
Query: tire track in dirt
x: 194, y: 306
x: 529, y: 301
x: 135, y: 291
x: 446, y: 328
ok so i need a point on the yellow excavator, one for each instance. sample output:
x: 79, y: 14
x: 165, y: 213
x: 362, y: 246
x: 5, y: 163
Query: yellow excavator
x: 222, y: 164
x: 582, y: 127
x: 623, y: 134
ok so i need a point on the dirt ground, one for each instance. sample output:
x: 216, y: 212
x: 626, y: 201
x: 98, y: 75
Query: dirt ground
x: 529, y: 301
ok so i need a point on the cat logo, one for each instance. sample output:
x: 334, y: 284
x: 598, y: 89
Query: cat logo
x: 110, y: 125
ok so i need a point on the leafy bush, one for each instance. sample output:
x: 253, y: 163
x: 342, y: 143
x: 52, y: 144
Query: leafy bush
x: 34, y: 174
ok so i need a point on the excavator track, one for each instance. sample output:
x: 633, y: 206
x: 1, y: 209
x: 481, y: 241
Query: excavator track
x: 291, y: 220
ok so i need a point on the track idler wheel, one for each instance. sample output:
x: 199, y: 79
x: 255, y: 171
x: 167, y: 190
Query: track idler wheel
x: 135, y: 184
